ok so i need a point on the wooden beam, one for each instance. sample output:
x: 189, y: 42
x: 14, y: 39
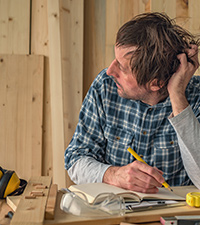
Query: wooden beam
x: 40, y: 46
x: 71, y: 25
x: 51, y: 202
x: 56, y: 92
x: 32, y: 211
x: 194, y: 18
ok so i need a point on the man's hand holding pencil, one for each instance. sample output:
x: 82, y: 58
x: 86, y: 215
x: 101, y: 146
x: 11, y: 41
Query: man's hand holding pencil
x: 136, y: 176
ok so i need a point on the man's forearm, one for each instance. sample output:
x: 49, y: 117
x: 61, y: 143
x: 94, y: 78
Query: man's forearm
x: 179, y: 103
x: 187, y: 128
x: 87, y: 170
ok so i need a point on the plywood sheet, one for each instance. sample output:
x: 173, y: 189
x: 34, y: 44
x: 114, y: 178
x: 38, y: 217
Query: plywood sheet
x: 21, y: 100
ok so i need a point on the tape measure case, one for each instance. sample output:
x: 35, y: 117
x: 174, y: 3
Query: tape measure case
x: 193, y: 199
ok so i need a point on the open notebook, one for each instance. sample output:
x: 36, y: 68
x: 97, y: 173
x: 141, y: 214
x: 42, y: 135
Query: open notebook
x: 91, y: 190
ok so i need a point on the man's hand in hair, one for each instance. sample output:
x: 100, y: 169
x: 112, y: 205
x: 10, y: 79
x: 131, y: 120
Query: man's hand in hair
x: 180, y: 79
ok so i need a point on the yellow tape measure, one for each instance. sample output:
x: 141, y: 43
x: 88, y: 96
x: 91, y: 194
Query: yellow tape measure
x: 193, y: 199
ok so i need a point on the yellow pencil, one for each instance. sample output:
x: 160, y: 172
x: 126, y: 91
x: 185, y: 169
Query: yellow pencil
x: 165, y: 184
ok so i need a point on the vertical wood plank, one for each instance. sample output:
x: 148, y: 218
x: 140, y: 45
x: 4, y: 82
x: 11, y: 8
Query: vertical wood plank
x: 112, y: 26
x: 194, y: 18
x: 167, y: 6
x: 21, y: 94
x: 139, y: 6
x: 94, y: 40
x: 182, y: 17
x: 71, y: 14
x: 40, y: 45
x: 71, y: 25
x: 56, y: 94
x: 194, y: 7
x: 35, y: 86
x: 14, y: 26
x: 39, y: 28
x: 47, y: 159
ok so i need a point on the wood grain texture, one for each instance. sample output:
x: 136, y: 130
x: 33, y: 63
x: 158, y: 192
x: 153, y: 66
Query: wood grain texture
x: 32, y: 211
x: 194, y: 18
x: 167, y: 6
x: 39, y: 28
x: 51, y: 202
x: 56, y: 92
x: 21, y: 101
x: 71, y: 19
x: 14, y: 26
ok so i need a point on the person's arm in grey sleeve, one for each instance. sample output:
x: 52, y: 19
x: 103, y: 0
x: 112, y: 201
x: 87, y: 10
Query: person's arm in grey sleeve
x: 87, y: 170
x: 187, y: 128
x: 85, y: 155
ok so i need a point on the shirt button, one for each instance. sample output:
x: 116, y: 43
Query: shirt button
x: 150, y: 109
x: 171, y: 142
x: 144, y: 132
x: 118, y: 138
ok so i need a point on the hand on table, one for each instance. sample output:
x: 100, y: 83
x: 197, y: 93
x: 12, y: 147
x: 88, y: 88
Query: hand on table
x: 135, y: 176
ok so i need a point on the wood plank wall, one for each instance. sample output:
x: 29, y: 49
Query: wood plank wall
x: 21, y: 98
x: 77, y: 39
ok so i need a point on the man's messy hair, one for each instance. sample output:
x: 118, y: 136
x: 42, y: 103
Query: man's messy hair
x: 158, y: 40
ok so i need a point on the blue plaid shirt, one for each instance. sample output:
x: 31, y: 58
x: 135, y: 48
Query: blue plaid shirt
x: 109, y: 124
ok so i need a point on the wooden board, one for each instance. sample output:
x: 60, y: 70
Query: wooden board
x: 40, y: 46
x: 32, y: 211
x: 51, y: 202
x: 71, y: 34
x: 13, y: 202
x: 14, y: 26
x: 56, y: 93
x: 39, y: 28
x: 21, y: 101
x: 194, y: 17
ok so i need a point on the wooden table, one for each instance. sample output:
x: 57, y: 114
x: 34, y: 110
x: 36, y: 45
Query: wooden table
x: 139, y: 217
x: 151, y: 217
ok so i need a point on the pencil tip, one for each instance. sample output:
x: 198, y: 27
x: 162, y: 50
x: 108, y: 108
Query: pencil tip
x: 170, y: 189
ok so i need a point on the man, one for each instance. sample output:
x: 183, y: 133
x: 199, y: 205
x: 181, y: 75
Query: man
x: 149, y: 100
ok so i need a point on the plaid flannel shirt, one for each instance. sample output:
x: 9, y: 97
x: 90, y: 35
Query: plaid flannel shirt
x: 109, y: 124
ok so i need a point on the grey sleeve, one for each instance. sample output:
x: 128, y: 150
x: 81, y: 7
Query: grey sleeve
x: 87, y: 170
x: 187, y: 128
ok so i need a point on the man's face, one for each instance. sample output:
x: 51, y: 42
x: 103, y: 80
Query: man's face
x: 124, y: 78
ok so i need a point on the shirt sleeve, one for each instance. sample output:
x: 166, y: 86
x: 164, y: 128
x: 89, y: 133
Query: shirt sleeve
x: 187, y: 127
x: 87, y: 170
